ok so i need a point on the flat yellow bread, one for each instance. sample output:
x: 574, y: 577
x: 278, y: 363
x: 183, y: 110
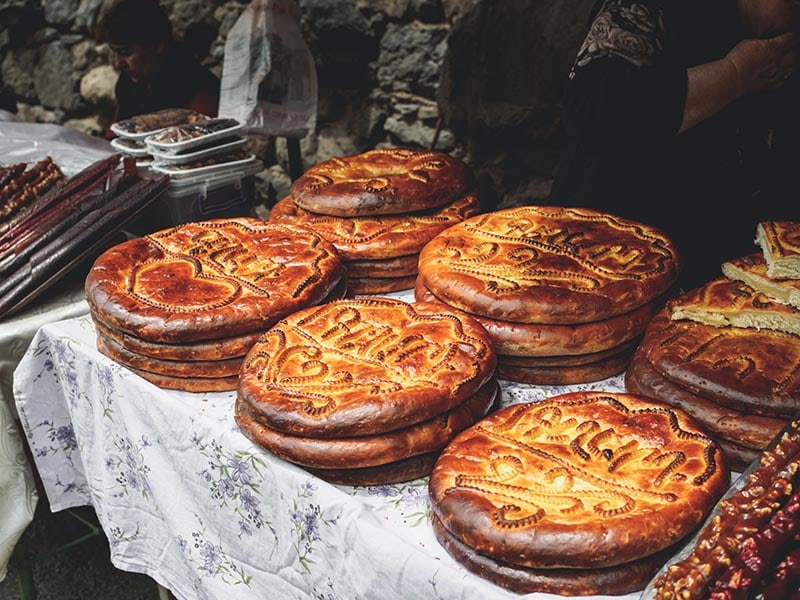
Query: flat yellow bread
x: 368, y: 450
x: 364, y: 366
x: 578, y: 480
x: 725, y: 302
x: 751, y: 370
x: 616, y: 581
x: 780, y: 243
x: 212, y: 279
x: 548, y: 339
x: 752, y: 270
x: 386, y: 181
x: 548, y: 264
x: 378, y: 236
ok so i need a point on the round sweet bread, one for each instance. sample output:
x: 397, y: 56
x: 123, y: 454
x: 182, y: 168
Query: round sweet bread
x: 380, y: 285
x: 750, y: 430
x: 187, y: 384
x: 566, y: 374
x: 568, y: 360
x: 378, y: 236
x: 547, y: 339
x: 615, y: 581
x: 213, y: 279
x: 578, y: 480
x: 750, y: 370
x: 217, y: 369
x: 220, y: 349
x: 395, y: 266
x: 368, y: 450
x: 548, y: 264
x: 400, y: 471
x: 382, y: 182
x: 364, y: 366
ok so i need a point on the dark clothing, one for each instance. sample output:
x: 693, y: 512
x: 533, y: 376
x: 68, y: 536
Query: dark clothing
x: 179, y: 79
x: 706, y: 188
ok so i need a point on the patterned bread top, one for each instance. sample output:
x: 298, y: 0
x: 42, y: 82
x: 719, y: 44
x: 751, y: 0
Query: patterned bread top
x: 780, y: 243
x: 752, y: 370
x: 363, y: 366
x: 547, y: 264
x: 210, y: 280
x: 582, y: 479
x: 382, y: 182
x: 378, y: 236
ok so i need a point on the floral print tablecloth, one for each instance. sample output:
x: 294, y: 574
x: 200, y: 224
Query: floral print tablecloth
x: 184, y: 497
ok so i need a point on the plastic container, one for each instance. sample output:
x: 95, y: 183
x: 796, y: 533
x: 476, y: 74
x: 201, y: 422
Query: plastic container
x: 165, y: 158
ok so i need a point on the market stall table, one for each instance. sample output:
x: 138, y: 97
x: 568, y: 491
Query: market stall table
x: 184, y: 497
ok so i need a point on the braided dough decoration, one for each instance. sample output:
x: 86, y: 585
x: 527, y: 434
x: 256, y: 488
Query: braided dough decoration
x: 382, y: 182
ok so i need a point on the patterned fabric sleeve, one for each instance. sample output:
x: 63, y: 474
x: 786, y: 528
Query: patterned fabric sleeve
x: 625, y: 80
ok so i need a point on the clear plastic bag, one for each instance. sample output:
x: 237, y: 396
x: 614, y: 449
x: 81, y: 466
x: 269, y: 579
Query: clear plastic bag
x: 269, y: 79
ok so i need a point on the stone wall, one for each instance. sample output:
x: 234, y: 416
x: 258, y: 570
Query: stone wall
x: 481, y: 79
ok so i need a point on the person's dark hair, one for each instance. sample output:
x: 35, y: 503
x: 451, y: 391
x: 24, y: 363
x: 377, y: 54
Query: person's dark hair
x: 132, y: 21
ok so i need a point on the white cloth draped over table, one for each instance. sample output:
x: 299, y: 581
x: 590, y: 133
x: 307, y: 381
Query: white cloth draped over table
x: 18, y: 495
x: 186, y: 498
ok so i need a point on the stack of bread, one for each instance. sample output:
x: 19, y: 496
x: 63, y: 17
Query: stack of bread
x: 366, y: 391
x: 182, y: 306
x: 579, y: 494
x: 379, y: 208
x: 728, y: 352
x: 565, y: 293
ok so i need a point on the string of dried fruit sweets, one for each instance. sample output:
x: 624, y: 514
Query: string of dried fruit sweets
x: 759, y: 554
x: 745, y: 511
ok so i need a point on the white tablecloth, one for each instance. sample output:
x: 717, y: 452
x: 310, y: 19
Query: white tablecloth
x: 184, y: 497
x: 18, y: 495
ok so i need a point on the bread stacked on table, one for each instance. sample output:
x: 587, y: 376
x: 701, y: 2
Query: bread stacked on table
x: 379, y: 208
x: 181, y: 307
x: 565, y: 293
x: 581, y: 493
x: 728, y: 352
x: 366, y: 391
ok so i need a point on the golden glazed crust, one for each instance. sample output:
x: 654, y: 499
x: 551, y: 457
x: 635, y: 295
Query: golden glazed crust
x: 780, y: 243
x: 616, y: 581
x: 546, y: 339
x: 398, y: 266
x: 210, y: 280
x: 381, y: 285
x: 368, y: 450
x: 382, y: 182
x: 400, y: 471
x: 364, y: 366
x: 569, y: 360
x: 750, y: 370
x: 579, y: 480
x: 378, y: 236
x: 546, y: 264
x: 746, y: 429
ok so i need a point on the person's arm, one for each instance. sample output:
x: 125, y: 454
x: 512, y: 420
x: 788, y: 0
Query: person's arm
x: 753, y: 66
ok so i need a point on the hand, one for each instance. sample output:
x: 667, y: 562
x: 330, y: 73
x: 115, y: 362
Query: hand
x: 762, y: 65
